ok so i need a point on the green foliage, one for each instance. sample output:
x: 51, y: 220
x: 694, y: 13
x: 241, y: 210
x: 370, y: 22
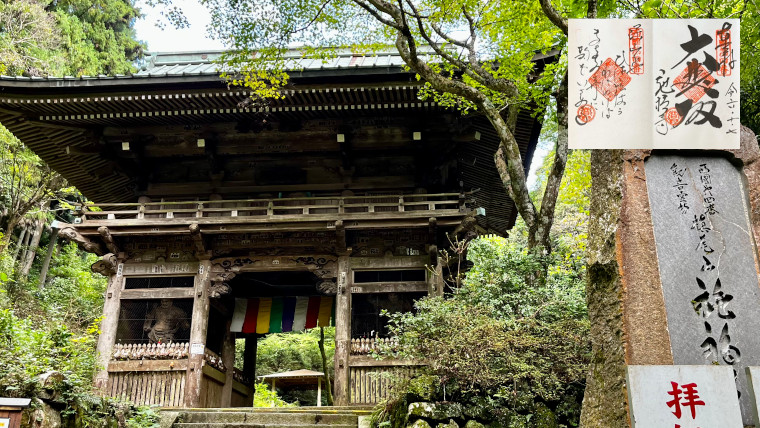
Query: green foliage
x: 570, y: 229
x: 265, y: 397
x: 31, y: 349
x: 144, y: 417
x: 68, y: 37
x: 97, y: 36
x: 75, y: 294
x: 503, y: 340
x: 29, y: 38
x: 279, y: 352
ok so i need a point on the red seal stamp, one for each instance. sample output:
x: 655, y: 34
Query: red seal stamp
x: 586, y: 114
x: 609, y: 79
x: 672, y: 117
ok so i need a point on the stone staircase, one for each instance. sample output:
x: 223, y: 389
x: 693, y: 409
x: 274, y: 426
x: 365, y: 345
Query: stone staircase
x: 296, y: 417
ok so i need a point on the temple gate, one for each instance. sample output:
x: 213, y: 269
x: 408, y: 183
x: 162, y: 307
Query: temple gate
x: 332, y: 201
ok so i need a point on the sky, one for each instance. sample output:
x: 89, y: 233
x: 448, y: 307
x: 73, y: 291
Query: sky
x: 194, y: 38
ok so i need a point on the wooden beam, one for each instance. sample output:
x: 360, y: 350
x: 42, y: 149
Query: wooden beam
x: 108, y: 239
x: 232, y: 187
x: 390, y: 287
x: 398, y: 262
x: 158, y: 293
x: 341, y: 247
x: 147, y: 365
x: 367, y: 361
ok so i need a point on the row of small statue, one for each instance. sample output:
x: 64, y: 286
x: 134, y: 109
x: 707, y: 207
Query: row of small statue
x: 152, y: 351
x: 365, y: 345
x: 214, y: 361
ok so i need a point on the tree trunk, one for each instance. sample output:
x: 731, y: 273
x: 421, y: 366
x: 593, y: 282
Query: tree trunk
x: 328, y: 387
x: 48, y: 256
x: 19, y: 242
x: 31, y: 252
x: 605, y: 397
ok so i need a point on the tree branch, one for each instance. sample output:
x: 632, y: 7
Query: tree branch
x: 554, y: 16
x: 554, y: 180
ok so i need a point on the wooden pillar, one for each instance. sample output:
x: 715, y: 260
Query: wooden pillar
x: 198, y: 330
x: 319, y: 392
x: 108, y: 327
x: 342, y: 332
x: 249, y: 357
x: 249, y: 362
x: 228, y: 359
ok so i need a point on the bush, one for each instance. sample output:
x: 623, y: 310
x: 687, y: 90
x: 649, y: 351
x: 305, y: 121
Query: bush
x: 265, y: 397
x: 509, y: 343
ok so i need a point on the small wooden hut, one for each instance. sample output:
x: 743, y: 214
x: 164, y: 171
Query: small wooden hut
x: 307, y: 379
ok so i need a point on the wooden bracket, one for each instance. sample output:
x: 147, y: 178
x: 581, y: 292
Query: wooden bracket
x: 106, y: 266
x: 84, y: 244
x: 195, y: 233
x: 109, y: 240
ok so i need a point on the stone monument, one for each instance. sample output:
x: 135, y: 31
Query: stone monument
x: 673, y: 267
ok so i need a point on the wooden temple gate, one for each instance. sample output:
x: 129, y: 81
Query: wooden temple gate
x: 345, y: 188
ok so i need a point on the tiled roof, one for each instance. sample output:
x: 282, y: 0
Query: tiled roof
x: 202, y: 63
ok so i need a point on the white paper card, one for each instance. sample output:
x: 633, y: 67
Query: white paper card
x: 685, y: 396
x: 197, y: 349
x: 653, y: 84
x: 5, y: 422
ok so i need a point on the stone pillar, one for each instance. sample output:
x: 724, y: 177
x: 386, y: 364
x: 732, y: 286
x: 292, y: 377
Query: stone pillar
x: 228, y: 359
x: 643, y: 293
x: 108, y: 327
x: 198, y: 331
x: 342, y: 332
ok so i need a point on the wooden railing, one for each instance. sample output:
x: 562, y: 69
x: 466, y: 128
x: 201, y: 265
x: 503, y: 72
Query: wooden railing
x: 364, y: 346
x: 273, y: 208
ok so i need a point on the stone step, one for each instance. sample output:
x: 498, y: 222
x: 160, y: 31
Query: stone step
x: 359, y: 410
x: 250, y: 425
x: 293, y: 418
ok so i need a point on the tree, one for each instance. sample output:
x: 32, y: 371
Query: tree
x: 26, y: 183
x: 68, y: 37
x: 97, y: 36
x: 501, y: 341
x: 472, y: 55
x: 28, y: 38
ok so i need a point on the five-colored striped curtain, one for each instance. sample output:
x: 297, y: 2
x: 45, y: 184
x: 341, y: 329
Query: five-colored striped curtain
x: 281, y: 314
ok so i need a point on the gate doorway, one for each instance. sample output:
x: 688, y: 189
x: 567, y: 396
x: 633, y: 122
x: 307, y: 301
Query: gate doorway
x: 276, y: 318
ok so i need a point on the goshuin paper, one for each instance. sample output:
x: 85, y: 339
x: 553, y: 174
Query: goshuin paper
x: 653, y: 84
